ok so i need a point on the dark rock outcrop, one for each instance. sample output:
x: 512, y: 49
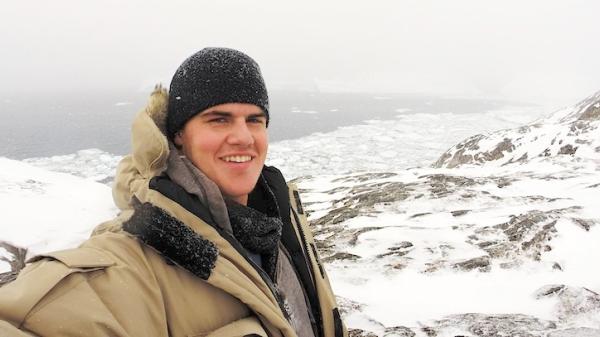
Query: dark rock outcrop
x: 481, y: 263
x: 361, y: 199
x: 17, y: 262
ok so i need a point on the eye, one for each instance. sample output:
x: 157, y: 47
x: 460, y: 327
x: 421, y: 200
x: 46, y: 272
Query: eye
x: 218, y: 120
x: 256, y: 119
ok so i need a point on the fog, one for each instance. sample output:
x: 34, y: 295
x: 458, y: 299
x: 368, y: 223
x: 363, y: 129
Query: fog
x: 536, y: 51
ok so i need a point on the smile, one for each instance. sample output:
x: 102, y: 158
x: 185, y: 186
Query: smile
x: 237, y: 159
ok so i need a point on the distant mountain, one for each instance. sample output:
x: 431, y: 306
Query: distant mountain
x: 571, y: 131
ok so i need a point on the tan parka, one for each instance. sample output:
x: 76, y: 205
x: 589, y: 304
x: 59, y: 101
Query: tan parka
x: 116, y: 285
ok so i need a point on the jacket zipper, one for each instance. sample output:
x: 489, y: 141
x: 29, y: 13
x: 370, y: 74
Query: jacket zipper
x: 311, y: 316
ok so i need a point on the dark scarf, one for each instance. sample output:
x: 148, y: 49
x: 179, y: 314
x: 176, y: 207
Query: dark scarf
x: 258, y: 226
x: 257, y: 232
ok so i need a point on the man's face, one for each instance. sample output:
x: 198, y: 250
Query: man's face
x: 228, y: 143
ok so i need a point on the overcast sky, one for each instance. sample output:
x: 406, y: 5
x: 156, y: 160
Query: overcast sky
x: 538, y: 50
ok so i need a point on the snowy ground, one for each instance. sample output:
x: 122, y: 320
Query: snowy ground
x: 494, y: 246
x: 414, y: 247
x: 480, y: 249
x: 45, y: 211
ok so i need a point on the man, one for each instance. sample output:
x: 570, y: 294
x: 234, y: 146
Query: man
x: 210, y: 242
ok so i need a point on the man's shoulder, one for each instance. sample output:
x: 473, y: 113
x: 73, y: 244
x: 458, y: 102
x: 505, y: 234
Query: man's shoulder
x: 71, y: 278
x: 95, y: 254
x: 47, y: 276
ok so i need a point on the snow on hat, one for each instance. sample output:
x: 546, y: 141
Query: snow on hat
x: 211, y: 77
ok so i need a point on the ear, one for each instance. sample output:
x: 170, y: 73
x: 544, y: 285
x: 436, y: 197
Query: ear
x: 178, y: 140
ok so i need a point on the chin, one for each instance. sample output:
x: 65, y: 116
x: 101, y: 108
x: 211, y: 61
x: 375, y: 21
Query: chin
x: 236, y: 188
x: 237, y: 193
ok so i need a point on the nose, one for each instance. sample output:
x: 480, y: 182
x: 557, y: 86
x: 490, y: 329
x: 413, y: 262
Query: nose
x: 240, y: 134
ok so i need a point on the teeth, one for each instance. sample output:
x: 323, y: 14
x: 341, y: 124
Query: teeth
x: 237, y: 159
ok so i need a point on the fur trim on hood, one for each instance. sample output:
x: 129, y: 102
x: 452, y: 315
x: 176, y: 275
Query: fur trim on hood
x: 157, y: 107
x: 174, y: 240
x: 149, y: 149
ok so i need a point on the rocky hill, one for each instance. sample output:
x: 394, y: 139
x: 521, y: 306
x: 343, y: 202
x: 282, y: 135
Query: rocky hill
x: 505, y: 246
x: 571, y: 131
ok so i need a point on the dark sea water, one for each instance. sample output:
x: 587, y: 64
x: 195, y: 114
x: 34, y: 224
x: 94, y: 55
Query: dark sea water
x: 38, y: 126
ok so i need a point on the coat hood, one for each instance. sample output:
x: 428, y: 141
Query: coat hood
x: 150, y: 149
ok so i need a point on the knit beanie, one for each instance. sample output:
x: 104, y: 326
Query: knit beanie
x: 211, y: 77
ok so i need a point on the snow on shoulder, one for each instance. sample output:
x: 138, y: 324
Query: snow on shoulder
x: 46, y: 211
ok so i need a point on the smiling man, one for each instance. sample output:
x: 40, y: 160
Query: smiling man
x: 209, y: 241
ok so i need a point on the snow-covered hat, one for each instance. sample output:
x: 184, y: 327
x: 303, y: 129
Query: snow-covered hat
x: 211, y: 77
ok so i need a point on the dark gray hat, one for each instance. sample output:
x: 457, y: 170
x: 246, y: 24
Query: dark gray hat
x: 211, y: 77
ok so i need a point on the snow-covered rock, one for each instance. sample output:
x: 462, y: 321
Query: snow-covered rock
x: 571, y: 131
x: 573, y: 303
